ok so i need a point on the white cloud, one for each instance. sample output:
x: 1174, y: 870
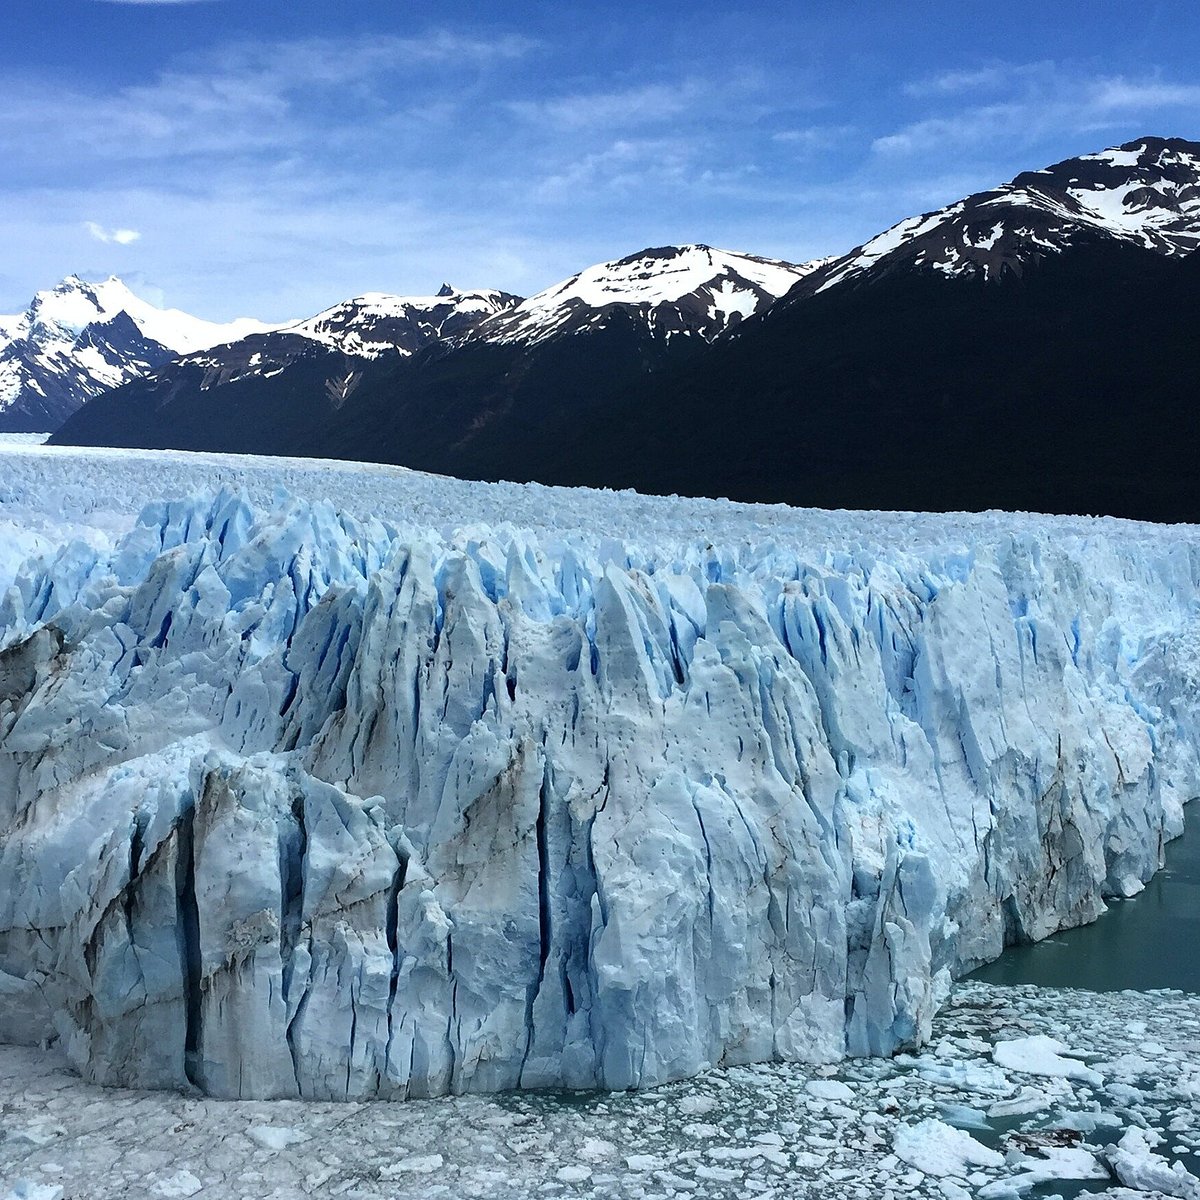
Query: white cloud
x: 991, y: 77
x: 122, y: 237
x: 971, y: 127
x: 624, y: 165
x: 1110, y: 95
x: 651, y: 104
x: 1037, y: 100
x: 814, y: 137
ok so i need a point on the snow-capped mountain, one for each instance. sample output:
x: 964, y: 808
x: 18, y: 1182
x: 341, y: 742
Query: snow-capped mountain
x: 1031, y: 347
x: 81, y: 338
x: 366, y: 327
x: 632, y: 314
x: 1145, y: 193
x: 377, y: 323
x: 672, y: 289
x: 276, y: 390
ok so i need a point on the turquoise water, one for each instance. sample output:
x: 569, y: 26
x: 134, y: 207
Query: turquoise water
x: 1151, y: 941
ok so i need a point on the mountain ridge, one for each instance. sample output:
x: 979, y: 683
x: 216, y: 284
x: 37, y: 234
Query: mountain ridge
x: 1154, y: 181
x: 279, y: 394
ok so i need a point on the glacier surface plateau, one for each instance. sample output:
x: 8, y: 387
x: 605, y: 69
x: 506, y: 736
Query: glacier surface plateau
x: 300, y: 803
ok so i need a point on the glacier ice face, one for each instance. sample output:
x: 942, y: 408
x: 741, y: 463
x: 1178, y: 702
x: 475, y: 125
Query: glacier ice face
x: 294, y: 804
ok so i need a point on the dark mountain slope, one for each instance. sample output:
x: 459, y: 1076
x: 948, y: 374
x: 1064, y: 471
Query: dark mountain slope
x: 199, y: 404
x: 277, y: 392
x: 1074, y: 387
x: 488, y: 410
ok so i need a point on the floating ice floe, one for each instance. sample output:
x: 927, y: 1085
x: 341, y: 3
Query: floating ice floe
x: 730, y: 1134
x: 936, y: 1148
x: 1041, y: 1055
x: 1136, y: 1165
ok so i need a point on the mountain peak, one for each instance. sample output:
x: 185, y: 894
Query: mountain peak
x: 377, y: 323
x: 82, y: 337
x: 692, y: 288
x: 1145, y: 192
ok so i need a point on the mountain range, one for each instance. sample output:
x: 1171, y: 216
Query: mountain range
x: 1030, y: 347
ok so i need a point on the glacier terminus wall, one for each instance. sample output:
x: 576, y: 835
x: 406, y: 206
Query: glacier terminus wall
x: 298, y: 804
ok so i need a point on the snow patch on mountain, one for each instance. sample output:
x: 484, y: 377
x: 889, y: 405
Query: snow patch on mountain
x: 379, y: 323
x: 75, y: 304
x: 1146, y: 192
x: 691, y: 289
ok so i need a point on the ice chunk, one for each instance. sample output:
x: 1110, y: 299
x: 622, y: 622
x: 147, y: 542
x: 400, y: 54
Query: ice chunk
x: 29, y: 1189
x: 1136, y: 1165
x: 936, y: 1148
x: 829, y: 1089
x: 1042, y: 1055
x: 276, y: 1137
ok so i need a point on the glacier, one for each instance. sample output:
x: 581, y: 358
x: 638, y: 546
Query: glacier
x: 301, y: 803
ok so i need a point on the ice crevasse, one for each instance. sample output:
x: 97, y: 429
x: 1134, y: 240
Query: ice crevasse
x: 294, y: 804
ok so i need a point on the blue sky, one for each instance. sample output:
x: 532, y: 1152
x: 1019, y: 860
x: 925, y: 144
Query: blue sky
x: 269, y: 157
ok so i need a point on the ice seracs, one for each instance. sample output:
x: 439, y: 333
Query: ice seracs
x: 300, y: 803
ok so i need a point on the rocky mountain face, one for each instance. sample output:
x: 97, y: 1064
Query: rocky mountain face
x: 81, y: 339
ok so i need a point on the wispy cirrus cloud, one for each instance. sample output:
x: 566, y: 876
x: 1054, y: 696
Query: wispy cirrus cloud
x: 623, y: 165
x: 239, y: 99
x: 811, y: 138
x: 119, y: 237
x: 990, y: 77
x: 259, y: 159
x: 745, y: 95
x: 1120, y: 94
x: 1032, y: 101
x: 656, y: 103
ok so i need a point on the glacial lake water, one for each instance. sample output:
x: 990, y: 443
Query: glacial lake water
x: 1150, y: 941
